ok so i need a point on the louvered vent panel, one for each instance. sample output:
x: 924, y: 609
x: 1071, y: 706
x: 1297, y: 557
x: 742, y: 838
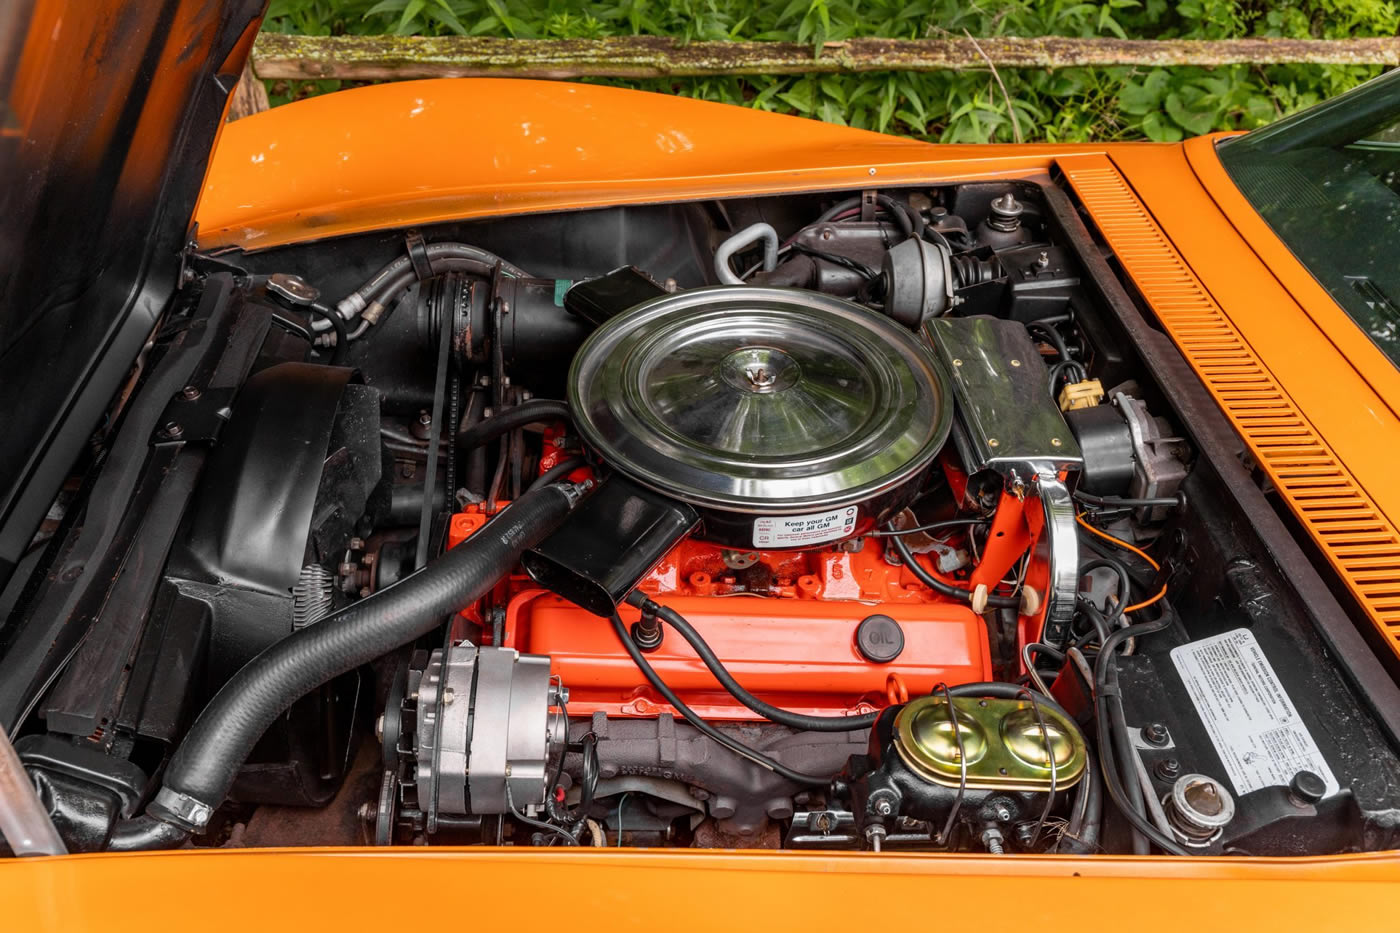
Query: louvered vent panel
x: 1360, y: 542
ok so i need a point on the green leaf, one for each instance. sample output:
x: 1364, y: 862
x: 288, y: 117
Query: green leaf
x: 1159, y: 130
x: 1194, y: 121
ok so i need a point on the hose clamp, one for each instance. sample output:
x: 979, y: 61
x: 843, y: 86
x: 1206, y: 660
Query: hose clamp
x: 418, y: 255
x: 181, y: 809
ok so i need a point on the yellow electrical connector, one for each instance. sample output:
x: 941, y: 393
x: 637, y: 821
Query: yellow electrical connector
x: 1084, y: 394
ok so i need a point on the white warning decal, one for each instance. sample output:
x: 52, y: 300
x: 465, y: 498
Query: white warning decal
x: 1251, y: 720
x: 799, y: 530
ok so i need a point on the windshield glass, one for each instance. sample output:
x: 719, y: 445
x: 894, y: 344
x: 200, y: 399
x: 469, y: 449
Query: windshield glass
x: 1328, y: 182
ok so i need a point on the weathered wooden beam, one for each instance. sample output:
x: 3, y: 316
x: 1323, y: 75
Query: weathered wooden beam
x: 389, y: 57
x: 249, y: 96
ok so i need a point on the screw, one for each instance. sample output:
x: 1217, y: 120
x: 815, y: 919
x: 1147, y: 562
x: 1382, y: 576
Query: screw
x: 992, y: 839
x: 1043, y: 260
x: 993, y: 442
x: 368, y: 812
x: 872, y: 171
x: 189, y: 393
x: 379, y: 728
x: 1168, y: 769
x: 884, y: 807
x: 1054, y: 442
x: 1155, y: 733
x: 172, y: 429
x: 448, y: 696
x: 822, y: 821
x: 1015, y: 362
x: 957, y: 362
x: 357, y: 544
x: 425, y: 418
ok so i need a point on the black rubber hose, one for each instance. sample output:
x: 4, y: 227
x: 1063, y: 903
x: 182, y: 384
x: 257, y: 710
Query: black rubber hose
x: 1125, y: 581
x: 776, y: 714
x: 947, y: 589
x: 1117, y: 502
x: 1056, y: 339
x: 690, y: 716
x: 531, y: 412
x: 898, y: 211
x: 1105, y: 696
x: 557, y: 472
x: 342, y: 334
x: 442, y: 257
x: 145, y: 832
x: 207, y: 761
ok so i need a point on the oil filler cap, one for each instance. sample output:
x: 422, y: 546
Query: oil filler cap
x: 879, y: 639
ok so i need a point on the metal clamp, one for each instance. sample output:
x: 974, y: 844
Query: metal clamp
x: 418, y: 255
x: 179, y: 808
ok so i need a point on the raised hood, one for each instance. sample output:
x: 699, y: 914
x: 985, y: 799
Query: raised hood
x: 108, y: 112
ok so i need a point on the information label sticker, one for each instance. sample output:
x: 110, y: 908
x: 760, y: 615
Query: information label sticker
x: 799, y: 530
x: 1251, y: 720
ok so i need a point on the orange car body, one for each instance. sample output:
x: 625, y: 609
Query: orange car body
x: 1321, y: 424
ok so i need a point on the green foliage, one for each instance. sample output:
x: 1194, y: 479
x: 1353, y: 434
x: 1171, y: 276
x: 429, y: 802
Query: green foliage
x: 968, y: 106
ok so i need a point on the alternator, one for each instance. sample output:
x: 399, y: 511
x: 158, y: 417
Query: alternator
x: 489, y: 720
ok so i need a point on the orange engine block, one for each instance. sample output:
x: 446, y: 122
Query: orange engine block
x: 785, y: 627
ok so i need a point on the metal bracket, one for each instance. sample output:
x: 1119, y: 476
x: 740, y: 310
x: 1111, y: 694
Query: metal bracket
x: 1062, y: 557
x: 194, y: 416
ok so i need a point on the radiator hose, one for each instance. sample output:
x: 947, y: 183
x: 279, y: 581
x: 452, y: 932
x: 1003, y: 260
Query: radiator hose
x: 204, y: 766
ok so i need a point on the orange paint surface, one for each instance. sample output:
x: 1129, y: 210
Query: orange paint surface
x: 421, y: 152
x: 624, y: 890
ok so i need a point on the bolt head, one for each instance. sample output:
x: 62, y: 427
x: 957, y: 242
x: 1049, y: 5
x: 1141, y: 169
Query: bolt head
x: 189, y: 393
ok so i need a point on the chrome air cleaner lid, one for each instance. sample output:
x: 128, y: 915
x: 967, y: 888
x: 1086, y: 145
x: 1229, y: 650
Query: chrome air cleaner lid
x: 762, y: 401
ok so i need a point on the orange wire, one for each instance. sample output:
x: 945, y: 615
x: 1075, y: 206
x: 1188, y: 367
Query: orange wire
x: 1118, y: 541
x: 1146, y: 602
x: 1127, y: 547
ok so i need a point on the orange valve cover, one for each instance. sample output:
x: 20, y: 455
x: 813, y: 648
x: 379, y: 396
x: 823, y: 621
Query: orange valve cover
x: 796, y: 653
x: 783, y: 622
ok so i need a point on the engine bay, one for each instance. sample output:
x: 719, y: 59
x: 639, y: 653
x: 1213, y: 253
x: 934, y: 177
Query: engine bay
x: 845, y: 521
